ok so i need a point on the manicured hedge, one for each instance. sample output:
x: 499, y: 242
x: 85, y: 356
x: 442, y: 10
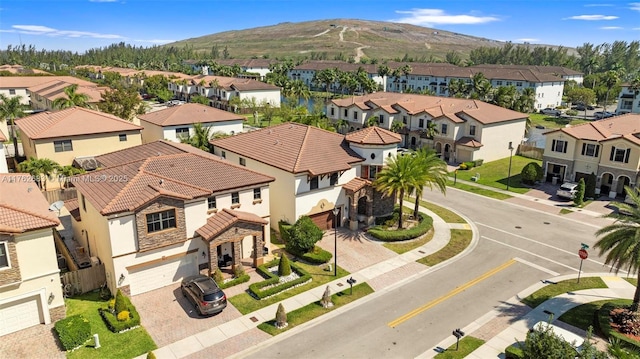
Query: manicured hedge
x: 317, y: 256
x: 256, y: 288
x: 513, y: 352
x: 423, y: 227
x: 284, y: 228
x: 478, y: 162
x: 605, y: 326
x: 235, y: 281
x: 116, y: 326
x: 73, y: 331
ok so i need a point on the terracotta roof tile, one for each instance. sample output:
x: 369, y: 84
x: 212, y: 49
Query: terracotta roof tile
x: 627, y: 126
x: 55, y: 89
x: 73, y: 206
x: 187, y: 114
x: 30, y: 81
x: 469, y: 142
x: 73, y: 121
x: 294, y: 148
x: 374, y: 135
x: 22, y: 206
x: 224, y: 219
x: 356, y: 184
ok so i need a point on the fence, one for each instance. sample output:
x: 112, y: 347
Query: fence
x: 85, y: 280
x: 530, y: 151
x: 60, y: 194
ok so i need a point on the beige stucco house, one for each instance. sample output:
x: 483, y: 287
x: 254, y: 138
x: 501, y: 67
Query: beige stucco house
x: 30, y: 287
x: 43, y: 95
x: 174, y: 123
x: 167, y: 210
x: 609, y: 148
x: 467, y: 130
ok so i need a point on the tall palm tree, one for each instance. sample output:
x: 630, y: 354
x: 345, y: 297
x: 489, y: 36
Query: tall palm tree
x: 200, y: 138
x: 398, y: 176
x: 342, y: 125
x: 47, y: 167
x: 621, y: 240
x: 10, y: 109
x: 40, y: 169
x: 433, y: 171
x: 73, y: 98
x: 431, y: 130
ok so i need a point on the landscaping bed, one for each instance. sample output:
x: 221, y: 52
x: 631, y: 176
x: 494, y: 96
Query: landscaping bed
x: 386, y: 232
x: 570, y: 285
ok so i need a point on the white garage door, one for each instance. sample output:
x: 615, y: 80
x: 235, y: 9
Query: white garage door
x: 162, y: 274
x: 20, y: 314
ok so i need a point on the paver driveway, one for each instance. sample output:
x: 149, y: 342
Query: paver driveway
x: 35, y: 342
x: 356, y: 250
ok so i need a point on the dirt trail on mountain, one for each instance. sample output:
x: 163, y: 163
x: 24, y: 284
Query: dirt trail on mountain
x: 359, y: 52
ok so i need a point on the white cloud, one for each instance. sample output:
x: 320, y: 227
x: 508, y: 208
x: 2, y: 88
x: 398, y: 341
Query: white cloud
x: 528, y: 40
x: 610, y: 28
x: 634, y: 6
x: 591, y: 17
x: 431, y: 17
x: 157, y: 41
x: 636, y: 28
x: 47, y: 31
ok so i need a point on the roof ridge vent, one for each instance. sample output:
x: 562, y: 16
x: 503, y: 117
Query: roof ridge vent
x: 277, y: 142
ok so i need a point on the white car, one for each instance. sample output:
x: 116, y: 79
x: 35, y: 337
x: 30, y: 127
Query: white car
x: 567, y: 190
x: 551, y: 111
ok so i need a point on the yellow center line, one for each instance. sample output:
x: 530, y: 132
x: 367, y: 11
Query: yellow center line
x: 460, y: 289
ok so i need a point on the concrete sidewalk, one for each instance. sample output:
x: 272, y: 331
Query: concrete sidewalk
x: 236, y: 327
x: 552, y: 308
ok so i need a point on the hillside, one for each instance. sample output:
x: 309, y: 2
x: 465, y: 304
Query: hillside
x: 357, y: 38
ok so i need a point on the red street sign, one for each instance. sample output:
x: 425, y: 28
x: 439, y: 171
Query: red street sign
x: 583, y: 254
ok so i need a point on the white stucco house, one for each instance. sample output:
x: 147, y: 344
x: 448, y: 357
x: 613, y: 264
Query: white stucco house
x: 628, y: 100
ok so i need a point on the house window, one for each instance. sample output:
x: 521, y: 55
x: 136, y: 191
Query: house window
x: 620, y: 155
x: 182, y: 132
x: 373, y: 171
x: 355, y: 115
x: 509, y: 83
x: 235, y: 198
x: 211, y: 202
x: 472, y: 130
x: 84, y: 204
x: 4, y: 255
x: 12, y: 91
x: 333, y: 180
x: 559, y: 146
x: 381, y: 119
x: 161, y: 220
x: 223, y: 154
x: 346, y: 112
x: 518, y: 83
x: 404, y: 119
x: 590, y: 149
x: 314, y: 183
x: 257, y: 194
x: 243, y: 162
x: 498, y: 83
x: 333, y: 112
x: 63, y: 146
x: 443, y: 129
x: 122, y: 137
x: 421, y: 123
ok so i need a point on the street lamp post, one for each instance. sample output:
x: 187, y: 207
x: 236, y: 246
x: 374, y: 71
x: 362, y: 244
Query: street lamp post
x: 335, y: 241
x: 510, y: 156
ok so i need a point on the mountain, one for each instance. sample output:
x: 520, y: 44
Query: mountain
x: 330, y: 38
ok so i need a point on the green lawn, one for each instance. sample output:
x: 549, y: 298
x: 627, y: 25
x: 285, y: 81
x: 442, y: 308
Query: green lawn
x: 570, y: 285
x: 552, y: 121
x: 446, y: 215
x: 565, y: 211
x: 314, y: 310
x: 496, y: 173
x: 467, y: 345
x: 632, y: 280
x: 405, y: 246
x: 478, y: 190
x: 460, y: 239
x: 247, y: 304
x: 112, y: 345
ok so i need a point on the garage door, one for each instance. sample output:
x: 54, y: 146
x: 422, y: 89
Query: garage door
x: 324, y: 220
x: 162, y: 274
x: 20, y: 314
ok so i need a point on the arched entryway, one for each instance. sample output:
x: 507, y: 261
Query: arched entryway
x: 447, y: 152
x: 622, y: 182
x: 606, y: 182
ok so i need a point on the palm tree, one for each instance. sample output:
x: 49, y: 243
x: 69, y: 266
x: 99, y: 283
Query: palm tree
x: 611, y: 79
x: 200, y: 138
x: 342, y: 124
x: 72, y: 98
x: 621, y: 240
x: 397, y: 126
x: 433, y: 171
x: 431, y: 130
x: 398, y: 176
x: 10, y: 109
x: 372, y: 121
x: 47, y: 168
x: 456, y: 87
x: 66, y: 172
x: 40, y: 169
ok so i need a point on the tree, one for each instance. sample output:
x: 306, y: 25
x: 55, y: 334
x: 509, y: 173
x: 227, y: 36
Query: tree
x: 66, y: 172
x: 582, y: 95
x: 284, y: 267
x: 303, y: 235
x: 543, y: 343
x: 40, y: 169
x: 397, y: 126
x: 432, y: 171
x: 200, y: 138
x: 590, y: 186
x: 578, y: 198
x: 531, y: 173
x: 10, y: 109
x: 203, y: 100
x: 431, y: 130
x: 281, y: 317
x: 398, y: 176
x: 621, y: 240
x: 123, y: 102
x: 72, y: 98
x: 372, y: 121
x: 341, y: 125
x: 268, y: 111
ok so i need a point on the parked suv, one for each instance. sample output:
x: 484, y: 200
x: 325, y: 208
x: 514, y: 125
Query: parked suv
x: 567, y: 190
x: 551, y: 111
x: 205, y: 294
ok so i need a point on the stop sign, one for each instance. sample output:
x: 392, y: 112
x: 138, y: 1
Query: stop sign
x: 583, y: 254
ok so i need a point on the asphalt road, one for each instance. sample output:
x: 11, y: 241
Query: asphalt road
x: 411, y: 319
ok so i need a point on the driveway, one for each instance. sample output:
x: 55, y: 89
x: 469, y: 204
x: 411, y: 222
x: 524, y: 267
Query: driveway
x: 356, y: 250
x: 39, y: 341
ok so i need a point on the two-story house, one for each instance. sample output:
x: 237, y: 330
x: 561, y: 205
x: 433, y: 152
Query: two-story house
x: 608, y: 148
x: 161, y: 211
x: 467, y: 129
x: 43, y: 95
x: 176, y: 123
x: 628, y: 100
x: 306, y: 72
x: 30, y: 287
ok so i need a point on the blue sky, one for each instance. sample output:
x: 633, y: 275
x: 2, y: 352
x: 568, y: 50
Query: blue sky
x: 79, y: 25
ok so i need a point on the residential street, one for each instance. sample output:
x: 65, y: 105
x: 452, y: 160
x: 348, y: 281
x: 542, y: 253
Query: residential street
x: 544, y: 245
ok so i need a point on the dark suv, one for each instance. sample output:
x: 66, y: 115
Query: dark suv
x: 204, y: 293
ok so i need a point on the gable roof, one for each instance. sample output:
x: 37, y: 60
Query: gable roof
x: 627, y: 126
x: 434, y: 106
x: 188, y: 114
x: 224, y: 219
x: 22, y: 206
x: 146, y: 172
x: 294, y: 148
x: 373, y: 135
x: 30, y: 81
x: 74, y: 121
x: 55, y: 89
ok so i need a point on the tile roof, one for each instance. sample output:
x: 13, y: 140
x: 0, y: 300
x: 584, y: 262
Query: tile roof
x: 19, y: 69
x: 73, y: 207
x: 188, y: 114
x: 341, y: 65
x: 560, y: 70
x: 74, y: 121
x: 434, y: 106
x: 224, y: 219
x: 22, y: 206
x: 626, y: 126
x: 469, y: 142
x: 374, y: 135
x: 30, y: 81
x: 356, y: 184
x: 230, y: 83
x: 55, y: 89
x: 294, y: 148
x: 149, y: 171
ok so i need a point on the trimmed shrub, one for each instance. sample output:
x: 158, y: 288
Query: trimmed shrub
x: 590, y: 186
x: 256, y: 288
x: 513, y: 352
x: 112, y: 322
x: 531, y: 173
x: 578, y: 199
x: 571, y: 113
x: 217, y: 276
x: 426, y: 223
x: 235, y: 281
x: 112, y: 304
x: 123, y: 315
x: 284, y: 268
x: 150, y: 355
x: 316, y: 256
x: 608, y: 332
x: 284, y: 228
x: 303, y: 235
x: 121, y: 303
x: 470, y: 164
x: 238, y: 271
x: 281, y: 317
x: 478, y: 163
x: 463, y: 166
x: 73, y: 331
